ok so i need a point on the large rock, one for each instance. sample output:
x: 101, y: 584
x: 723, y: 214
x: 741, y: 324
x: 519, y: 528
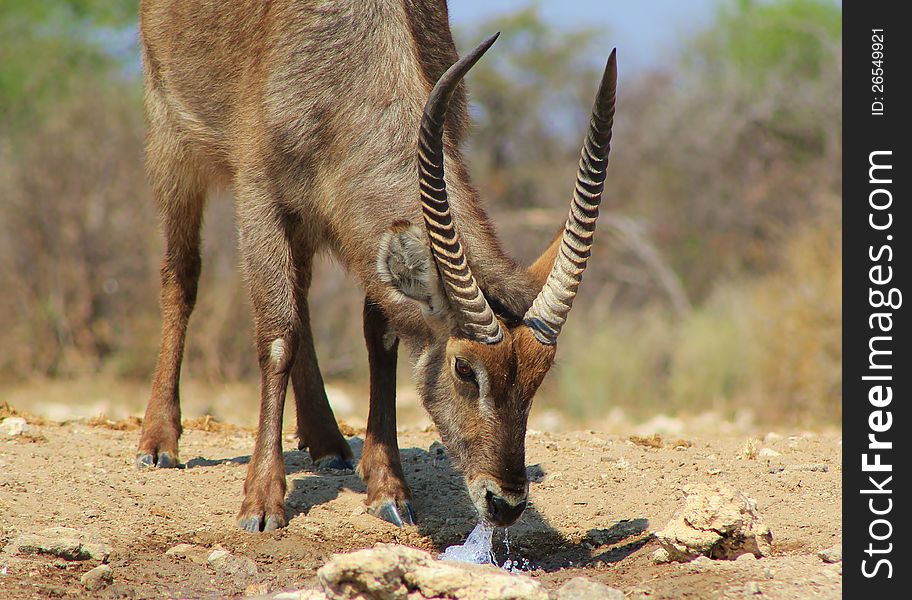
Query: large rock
x: 62, y: 542
x: 392, y: 572
x: 717, y: 522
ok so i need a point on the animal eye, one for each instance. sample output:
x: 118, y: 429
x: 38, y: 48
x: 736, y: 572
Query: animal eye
x: 464, y: 370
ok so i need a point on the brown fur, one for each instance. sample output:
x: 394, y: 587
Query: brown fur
x: 541, y: 268
x: 309, y: 111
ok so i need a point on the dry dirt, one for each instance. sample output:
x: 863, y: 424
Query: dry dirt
x: 595, y: 498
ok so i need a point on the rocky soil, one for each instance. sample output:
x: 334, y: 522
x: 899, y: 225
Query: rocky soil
x: 77, y: 520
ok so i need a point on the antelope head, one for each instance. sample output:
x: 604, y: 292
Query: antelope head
x: 477, y: 374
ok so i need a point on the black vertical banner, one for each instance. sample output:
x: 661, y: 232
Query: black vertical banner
x: 877, y: 372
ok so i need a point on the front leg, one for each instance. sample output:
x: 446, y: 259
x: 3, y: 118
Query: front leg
x: 263, y: 508
x: 388, y: 496
x: 265, y: 240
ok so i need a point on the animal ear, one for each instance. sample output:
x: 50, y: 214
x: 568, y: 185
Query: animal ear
x: 405, y: 263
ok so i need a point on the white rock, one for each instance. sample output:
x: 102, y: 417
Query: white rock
x: 13, y: 426
x: 393, y: 571
x: 63, y: 542
x: 832, y: 554
x: 717, y: 522
x: 768, y: 453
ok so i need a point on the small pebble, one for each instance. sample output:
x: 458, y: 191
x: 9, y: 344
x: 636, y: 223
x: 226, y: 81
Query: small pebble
x: 97, y: 578
x: 832, y: 554
x: 661, y: 556
x: 813, y: 467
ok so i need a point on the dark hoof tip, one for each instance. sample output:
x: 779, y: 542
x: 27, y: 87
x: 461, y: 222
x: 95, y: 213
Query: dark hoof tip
x: 272, y: 523
x: 166, y: 461
x: 335, y: 463
x: 389, y: 513
x: 163, y: 461
x: 145, y: 461
x: 410, y: 513
x: 258, y: 524
x: 400, y: 516
x: 251, y: 524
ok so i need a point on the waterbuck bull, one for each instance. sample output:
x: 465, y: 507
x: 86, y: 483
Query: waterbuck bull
x: 337, y: 123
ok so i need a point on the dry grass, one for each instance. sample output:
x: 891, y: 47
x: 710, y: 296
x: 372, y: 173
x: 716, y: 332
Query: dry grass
x: 652, y: 441
x: 349, y: 431
x: 128, y: 424
x: 209, y: 424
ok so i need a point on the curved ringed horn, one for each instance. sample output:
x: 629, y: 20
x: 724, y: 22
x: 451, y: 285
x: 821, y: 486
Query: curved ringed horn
x: 549, y: 311
x: 475, y: 317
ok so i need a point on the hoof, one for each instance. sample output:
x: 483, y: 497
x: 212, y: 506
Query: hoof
x: 256, y: 524
x: 400, y: 515
x: 164, y: 461
x: 335, y: 463
x: 145, y: 461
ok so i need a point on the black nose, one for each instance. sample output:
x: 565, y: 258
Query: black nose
x: 501, y: 512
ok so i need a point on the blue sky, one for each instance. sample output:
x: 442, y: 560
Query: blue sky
x: 645, y: 32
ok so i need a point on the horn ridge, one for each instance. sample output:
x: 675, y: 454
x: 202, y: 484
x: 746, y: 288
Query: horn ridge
x: 475, y: 318
x: 551, y: 307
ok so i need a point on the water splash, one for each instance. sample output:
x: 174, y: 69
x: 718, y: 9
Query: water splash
x: 517, y: 566
x: 479, y: 549
x: 514, y: 566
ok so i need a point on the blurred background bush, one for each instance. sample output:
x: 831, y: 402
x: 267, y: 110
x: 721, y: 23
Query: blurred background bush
x: 715, y: 283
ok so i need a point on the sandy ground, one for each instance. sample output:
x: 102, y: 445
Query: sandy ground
x: 594, y: 499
